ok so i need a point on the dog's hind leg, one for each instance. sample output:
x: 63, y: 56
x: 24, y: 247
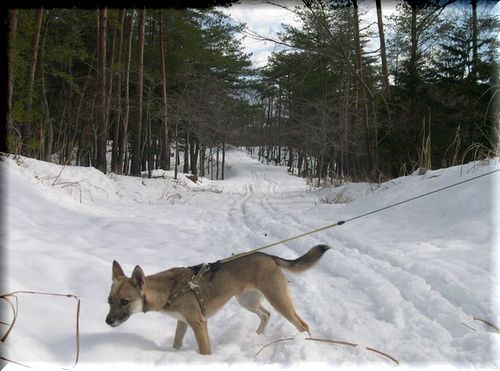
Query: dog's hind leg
x: 250, y: 300
x: 180, y: 331
x: 279, y: 297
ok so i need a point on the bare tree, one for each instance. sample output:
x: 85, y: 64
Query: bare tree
x: 101, y: 92
x: 135, y: 168
x: 122, y: 148
x: 11, y: 56
x: 115, y: 167
x: 26, y: 129
x: 165, y: 154
x: 362, y: 88
x: 383, y: 54
x: 475, y: 58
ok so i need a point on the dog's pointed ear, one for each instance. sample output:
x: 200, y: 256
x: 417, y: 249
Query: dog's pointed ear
x: 138, y: 277
x: 117, y: 271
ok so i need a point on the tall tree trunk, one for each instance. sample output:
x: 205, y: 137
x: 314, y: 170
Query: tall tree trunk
x: 111, y: 74
x: 383, y: 54
x: 26, y: 129
x: 202, y: 159
x: 300, y: 160
x: 193, y: 151
x: 100, y: 163
x: 344, y: 156
x: 115, y: 163
x: 136, y: 134
x: 165, y: 154
x: 223, y: 158
x: 414, y: 43
x: 78, y: 136
x: 217, y: 163
x: 475, y: 58
x: 10, y: 77
x: 149, y: 151
x: 176, y: 148
x: 46, y: 126
x: 361, y: 86
x: 123, y: 148
x: 186, y: 155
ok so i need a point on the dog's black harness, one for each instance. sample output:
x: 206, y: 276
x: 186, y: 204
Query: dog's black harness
x: 193, y: 285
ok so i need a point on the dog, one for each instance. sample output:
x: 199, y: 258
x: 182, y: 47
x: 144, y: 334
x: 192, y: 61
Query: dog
x: 192, y: 294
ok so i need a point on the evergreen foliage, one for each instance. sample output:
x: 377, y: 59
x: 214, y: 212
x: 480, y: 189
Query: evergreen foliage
x: 320, y: 105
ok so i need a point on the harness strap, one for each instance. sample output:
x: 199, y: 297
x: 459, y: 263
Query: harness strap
x: 193, y: 286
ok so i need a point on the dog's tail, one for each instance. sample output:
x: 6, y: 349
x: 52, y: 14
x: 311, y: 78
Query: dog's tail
x: 304, y: 262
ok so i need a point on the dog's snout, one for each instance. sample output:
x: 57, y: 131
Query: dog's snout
x: 109, y: 320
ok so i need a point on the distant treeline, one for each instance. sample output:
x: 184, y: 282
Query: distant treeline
x: 341, y: 98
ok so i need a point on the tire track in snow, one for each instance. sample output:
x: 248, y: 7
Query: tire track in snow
x: 385, y: 273
x: 238, y: 213
x: 396, y: 271
x: 424, y: 303
x: 259, y: 214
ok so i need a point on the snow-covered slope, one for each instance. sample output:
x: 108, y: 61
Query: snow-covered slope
x: 407, y: 281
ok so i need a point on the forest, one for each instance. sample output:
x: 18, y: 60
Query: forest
x: 132, y: 90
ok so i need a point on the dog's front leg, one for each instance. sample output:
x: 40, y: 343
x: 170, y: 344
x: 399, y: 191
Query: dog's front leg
x: 180, y: 331
x: 200, y: 330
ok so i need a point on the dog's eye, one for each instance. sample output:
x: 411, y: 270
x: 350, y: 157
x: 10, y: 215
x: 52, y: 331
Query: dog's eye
x: 110, y: 300
x: 124, y: 302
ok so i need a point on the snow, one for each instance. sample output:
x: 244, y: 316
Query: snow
x: 407, y: 281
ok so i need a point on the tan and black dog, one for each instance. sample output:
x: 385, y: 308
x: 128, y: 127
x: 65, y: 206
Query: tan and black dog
x: 192, y: 294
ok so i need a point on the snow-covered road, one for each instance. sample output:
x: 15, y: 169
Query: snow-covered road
x: 407, y: 281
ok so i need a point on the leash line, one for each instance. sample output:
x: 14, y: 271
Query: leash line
x: 340, y: 222
x: 419, y: 196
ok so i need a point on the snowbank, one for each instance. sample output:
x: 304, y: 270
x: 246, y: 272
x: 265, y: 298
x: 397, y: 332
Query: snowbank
x: 407, y: 281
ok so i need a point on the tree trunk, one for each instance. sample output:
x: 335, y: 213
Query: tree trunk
x: 475, y: 58
x: 165, y: 154
x: 176, y: 149
x: 383, y: 54
x: 26, y: 129
x: 45, y: 126
x: 115, y: 164
x: 111, y: 74
x: 136, y: 134
x: 122, y: 149
x: 100, y: 163
x: 149, y: 151
x: 194, y: 149
x: 217, y: 163
x: 344, y: 156
x: 414, y: 43
x: 10, y: 77
x: 300, y: 160
x: 78, y: 135
x: 186, y: 155
x: 223, y: 158
x: 202, y: 160
x: 361, y: 86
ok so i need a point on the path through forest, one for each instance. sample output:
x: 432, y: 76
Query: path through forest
x: 407, y: 281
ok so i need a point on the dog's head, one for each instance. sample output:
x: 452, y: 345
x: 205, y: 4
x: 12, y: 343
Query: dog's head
x: 126, y: 296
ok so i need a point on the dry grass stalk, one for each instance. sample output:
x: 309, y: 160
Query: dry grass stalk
x: 330, y: 341
x: 15, y: 309
x: 487, y: 323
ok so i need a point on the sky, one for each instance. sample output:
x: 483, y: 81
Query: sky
x: 267, y: 19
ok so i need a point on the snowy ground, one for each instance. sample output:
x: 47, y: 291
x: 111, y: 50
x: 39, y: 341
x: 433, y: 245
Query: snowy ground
x: 407, y: 281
